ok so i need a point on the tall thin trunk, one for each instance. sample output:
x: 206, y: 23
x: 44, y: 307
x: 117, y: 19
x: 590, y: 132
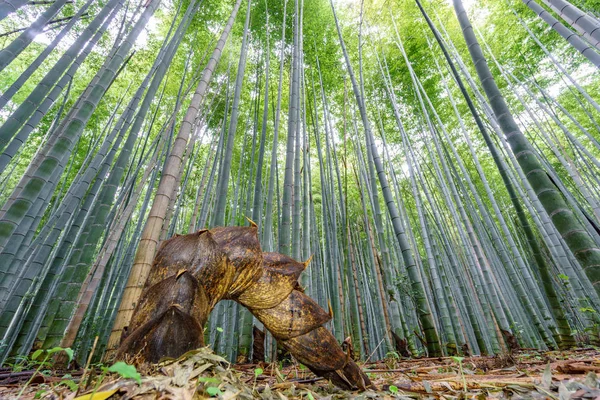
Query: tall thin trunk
x: 10, y: 52
x: 62, y: 144
x: 257, y: 207
x: 150, y: 235
x: 589, y: 27
x: 223, y: 184
x: 88, y: 289
x: 575, y: 235
x: 10, y: 6
x: 37, y: 96
x: 268, y: 231
x: 424, y: 312
x: 574, y: 40
x: 288, y: 177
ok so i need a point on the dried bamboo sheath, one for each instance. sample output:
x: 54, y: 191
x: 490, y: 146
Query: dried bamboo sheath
x: 192, y: 273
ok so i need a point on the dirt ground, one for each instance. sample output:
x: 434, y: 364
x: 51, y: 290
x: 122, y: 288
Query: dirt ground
x: 201, y: 374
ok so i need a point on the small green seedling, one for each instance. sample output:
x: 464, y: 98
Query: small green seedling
x: 125, y: 370
x: 68, y: 381
x: 459, y: 360
x: 257, y: 373
x: 303, y: 369
x: 391, y: 359
x: 213, y: 391
x: 17, y: 363
x: 393, y: 389
x: 36, y: 354
x: 210, y: 390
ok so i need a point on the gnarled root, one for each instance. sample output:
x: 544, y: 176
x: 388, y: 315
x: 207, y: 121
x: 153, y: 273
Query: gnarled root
x: 192, y: 273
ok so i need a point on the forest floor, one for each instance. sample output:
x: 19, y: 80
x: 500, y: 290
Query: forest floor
x: 527, y: 374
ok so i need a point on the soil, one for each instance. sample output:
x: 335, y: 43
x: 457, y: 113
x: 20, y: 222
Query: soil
x: 527, y: 374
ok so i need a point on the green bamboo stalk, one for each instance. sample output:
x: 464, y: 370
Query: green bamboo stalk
x: 574, y: 234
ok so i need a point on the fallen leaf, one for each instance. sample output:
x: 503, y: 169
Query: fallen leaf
x: 97, y: 395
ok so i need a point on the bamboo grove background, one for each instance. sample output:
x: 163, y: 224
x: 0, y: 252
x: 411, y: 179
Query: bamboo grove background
x: 457, y: 215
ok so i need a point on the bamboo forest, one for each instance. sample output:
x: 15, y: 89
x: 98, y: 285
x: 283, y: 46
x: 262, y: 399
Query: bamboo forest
x: 299, y: 199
